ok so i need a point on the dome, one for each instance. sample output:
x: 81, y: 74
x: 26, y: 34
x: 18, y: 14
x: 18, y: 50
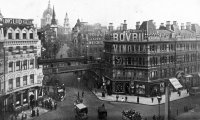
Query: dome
x: 47, y: 11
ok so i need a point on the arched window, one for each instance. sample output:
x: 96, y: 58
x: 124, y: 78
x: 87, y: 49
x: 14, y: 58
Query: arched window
x: 31, y: 34
x: 10, y: 34
x: 24, y: 34
x: 17, y: 34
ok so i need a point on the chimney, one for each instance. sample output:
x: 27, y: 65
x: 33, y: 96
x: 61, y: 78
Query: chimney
x: 124, y: 25
x: 182, y: 26
x: 174, y: 23
x: 110, y: 27
x: 121, y: 26
x: 188, y: 26
x: 168, y: 27
x: 137, y: 25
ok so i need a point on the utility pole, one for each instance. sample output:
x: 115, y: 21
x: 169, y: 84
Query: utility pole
x: 167, y: 102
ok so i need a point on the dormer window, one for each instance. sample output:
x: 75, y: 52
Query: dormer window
x: 31, y: 34
x: 17, y: 35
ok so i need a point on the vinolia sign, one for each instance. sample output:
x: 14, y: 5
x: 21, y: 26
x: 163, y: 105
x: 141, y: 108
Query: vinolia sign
x: 14, y: 21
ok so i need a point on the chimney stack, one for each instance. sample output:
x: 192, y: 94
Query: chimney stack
x: 125, y: 25
x: 121, y: 26
x: 188, y: 26
x: 110, y: 27
x: 182, y: 26
x: 137, y: 25
x: 168, y: 27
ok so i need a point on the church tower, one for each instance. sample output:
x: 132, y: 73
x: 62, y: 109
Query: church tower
x: 54, y: 25
x: 66, y: 25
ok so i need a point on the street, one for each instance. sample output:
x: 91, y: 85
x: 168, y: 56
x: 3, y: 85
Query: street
x: 65, y: 110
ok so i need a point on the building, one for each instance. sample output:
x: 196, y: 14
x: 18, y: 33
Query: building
x: 20, y: 76
x: 53, y: 35
x: 142, y: 60
x: 88, y: 39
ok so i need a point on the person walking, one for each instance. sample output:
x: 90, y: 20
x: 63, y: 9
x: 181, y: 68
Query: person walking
x: 55, y: 105
x: 82, y: 93
x: 126, y: 98
x: 37, y: 112
x: 154, y: 117
x: 152, y: 99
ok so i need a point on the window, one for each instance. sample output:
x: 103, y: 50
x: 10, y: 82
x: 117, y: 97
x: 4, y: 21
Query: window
x: 17, y: 65
x: 24, y: 49
x: 24, y: 80
x: 10, y: 49
x: 10, y: 84
x: 24, y: 35
x: 32, y: 78
x: 31, y: 63
x: 18, y: 82
x: 9, y: 35
x: 17, y: 50
x: 31, y: 35
x: 10, y: 69
x: 25, y: 64
x: 31, y: 49
x: 17, y: 35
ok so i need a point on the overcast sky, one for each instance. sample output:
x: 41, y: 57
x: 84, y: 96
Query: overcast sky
x: 106, y: 11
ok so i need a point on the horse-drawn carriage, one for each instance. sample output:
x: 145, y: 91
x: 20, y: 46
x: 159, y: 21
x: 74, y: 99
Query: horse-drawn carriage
x: 81, y: 112
x: 102, y: 113
x: 131, y: 115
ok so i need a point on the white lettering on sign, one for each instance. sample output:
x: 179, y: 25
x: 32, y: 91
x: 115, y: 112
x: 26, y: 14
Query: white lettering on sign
x: 126, y: 36
x: 118, y: 48
x: 17, y: 21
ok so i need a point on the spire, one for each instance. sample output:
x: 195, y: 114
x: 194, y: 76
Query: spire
x: 49, y: 6
x: 53, y: 21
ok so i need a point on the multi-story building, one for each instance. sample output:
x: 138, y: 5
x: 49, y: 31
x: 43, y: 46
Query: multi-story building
x: 142, y: 60
x: 20, y: 76
x: 88, y: 39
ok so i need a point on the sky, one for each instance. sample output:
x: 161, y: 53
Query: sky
x: 106, y: 11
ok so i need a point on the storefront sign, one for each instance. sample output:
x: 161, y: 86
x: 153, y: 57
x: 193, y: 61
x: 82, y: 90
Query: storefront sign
x: 129, y: 36
x: 17, y: 21
x: 175, y: 83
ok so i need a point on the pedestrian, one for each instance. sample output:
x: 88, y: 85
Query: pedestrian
x: 55, y: 105
x: 152, y: 99
x: 117, y: 97
x: 82, y: 93
x: 187, y: 90
x: 154, y: 117
x: 37, y: 112
x: 138, y: 99
x: 126, y: 98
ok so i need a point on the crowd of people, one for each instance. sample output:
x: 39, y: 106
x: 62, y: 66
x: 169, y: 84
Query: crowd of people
x: 131, y: 115
x: 49, y: 104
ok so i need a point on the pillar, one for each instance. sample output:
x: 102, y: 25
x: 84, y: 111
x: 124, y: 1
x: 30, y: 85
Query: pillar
x: 21, y: 98
x: 14, y: 100
x: 167, y: 104
x: 28, y: 98
x: 35, y: 94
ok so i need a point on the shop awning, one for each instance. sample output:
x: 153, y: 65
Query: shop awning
x: 175, y: 83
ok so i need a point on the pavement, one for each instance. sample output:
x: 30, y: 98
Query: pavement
x: 142, y: 100
x: 28, y: 113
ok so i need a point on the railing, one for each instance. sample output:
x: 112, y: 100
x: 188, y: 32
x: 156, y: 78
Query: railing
x: 57, y: 70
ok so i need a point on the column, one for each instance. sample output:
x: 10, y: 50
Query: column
x: 167, y: 104
x: 14, y: 100
x: 21, y: 81
x: 28, y: 98
x: 21, y: 98
x: 14, y: 63
x: 35, y: 94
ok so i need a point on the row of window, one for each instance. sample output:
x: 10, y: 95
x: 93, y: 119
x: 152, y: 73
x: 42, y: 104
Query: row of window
x: 20, y: 65
x: 18, y: 80
x: 19, y: 49
x: 18, y: 35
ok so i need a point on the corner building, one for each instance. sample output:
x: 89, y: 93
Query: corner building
x: 21, y: 77
x: 141, y: 61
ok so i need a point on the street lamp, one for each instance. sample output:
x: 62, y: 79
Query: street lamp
x: 159, y: 99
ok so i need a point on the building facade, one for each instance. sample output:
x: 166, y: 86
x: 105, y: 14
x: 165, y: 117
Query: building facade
x: 21, y: 77
x: 88, y: 39
x: 142, y: 60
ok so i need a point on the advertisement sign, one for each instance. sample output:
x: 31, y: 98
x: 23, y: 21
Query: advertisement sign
x: 14, y: 21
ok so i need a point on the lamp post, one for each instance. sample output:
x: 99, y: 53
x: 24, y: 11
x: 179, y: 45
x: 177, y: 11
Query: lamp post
x: 86, y: 53
x: 159, y: 99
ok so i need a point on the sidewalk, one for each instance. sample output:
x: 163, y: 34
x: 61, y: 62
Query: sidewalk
x: 28, y: 112
x: 142, y: 100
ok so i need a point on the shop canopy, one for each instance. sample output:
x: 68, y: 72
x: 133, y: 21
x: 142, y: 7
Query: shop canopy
x: 175, y: 83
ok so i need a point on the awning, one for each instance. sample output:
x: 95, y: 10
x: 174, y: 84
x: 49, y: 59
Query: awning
x: 175, y: 83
